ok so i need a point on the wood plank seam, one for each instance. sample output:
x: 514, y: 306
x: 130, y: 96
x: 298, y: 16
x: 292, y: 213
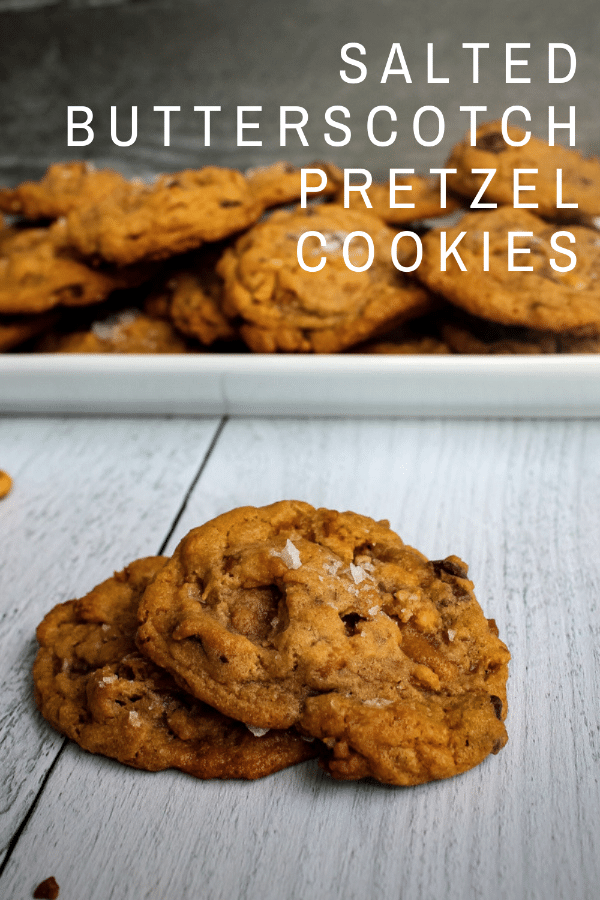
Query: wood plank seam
x: 195, y: 481
x: 21, y: 828
x: 15, y: 838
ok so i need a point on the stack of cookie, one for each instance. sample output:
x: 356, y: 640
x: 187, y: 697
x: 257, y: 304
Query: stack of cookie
x: 198, y: 261
x: 274, y: 635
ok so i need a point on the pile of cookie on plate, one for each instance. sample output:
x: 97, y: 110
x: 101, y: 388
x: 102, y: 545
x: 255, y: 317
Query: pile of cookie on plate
x: 203, y: 261
x: 274, y: 635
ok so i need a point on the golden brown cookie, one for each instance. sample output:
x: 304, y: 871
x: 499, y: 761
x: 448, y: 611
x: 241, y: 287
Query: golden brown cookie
x: 64, y: 187
x: 282, y: 182
x: 281, y: 307
x: 580, y: 177
x: 527, y: 341
x: 289, y: 615
x: 192, y: 297
x: 129, y: 331
x: 177, y: 213
x: 420, y: 346
x: 542, y: 298
x: 424, y: 193
x: 420, y: 337
x: 92, y: 684
x: 37, y: 273
x: 15, y: 330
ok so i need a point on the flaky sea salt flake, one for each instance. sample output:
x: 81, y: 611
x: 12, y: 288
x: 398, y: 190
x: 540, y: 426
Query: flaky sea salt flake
x: 290, y: 555
x: 257, y: 732
x: 358, y: 573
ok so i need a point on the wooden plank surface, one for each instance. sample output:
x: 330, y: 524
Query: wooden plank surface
x: 517, y: 501
x: 89, y: 496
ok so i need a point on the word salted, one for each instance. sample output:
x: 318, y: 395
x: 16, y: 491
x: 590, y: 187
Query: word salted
x: 477, y: 203
x: 334, y: 242
x: 396, y: 63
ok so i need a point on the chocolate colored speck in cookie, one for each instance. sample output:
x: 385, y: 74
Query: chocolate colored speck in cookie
x: 93, y: 684
x: 289, y: 615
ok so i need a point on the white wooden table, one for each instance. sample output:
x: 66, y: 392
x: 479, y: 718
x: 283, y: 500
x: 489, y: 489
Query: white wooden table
x: 519, y: 500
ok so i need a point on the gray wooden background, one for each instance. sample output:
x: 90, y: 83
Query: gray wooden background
x: 99, y: 53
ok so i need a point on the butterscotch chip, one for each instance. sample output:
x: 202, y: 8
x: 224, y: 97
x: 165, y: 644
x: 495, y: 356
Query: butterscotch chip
x: 424, y: 193
x: 47, y: 889
x: 64, y: 187
x: 5, y: 484
x: 580, y: 177
x: 543, y: 298
x: 128, y: 331
x: 38, y: 274
x: 289, y: 615
x: 177, y: 213
x: 192, y: 298
x: 282, y: 307
x: 282, y: 182
x: 93, y: 684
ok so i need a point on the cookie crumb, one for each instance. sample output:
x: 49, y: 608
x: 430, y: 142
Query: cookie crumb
x: 47, y: 889
x: 5, y: 484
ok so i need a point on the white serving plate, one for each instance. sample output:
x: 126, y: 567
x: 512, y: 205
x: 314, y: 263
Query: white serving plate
x: 524, y: 386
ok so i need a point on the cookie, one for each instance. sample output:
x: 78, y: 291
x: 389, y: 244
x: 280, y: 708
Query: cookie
x: 409, y: 346
x: 64, y: 187
x: 424, y: 193
x: 289, y: 615
x: 281, y: 183
x: 92, y: 684
x: 177, y: 213
x: 580, y: 177
x: 281, y: 307
x: 15, y: 330
x: 487, y: 338
x: 38, y: 274
x: 543, y: 298
x: 421, y: 337
x: 192, y: 298
x: 129, y: 331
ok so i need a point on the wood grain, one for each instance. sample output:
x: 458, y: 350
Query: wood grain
x: 88, y: 497
x: 517, y: 501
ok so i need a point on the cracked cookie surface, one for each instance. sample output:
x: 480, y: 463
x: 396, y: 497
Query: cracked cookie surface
x: 176, y: 213
x: 192, y: 297
x: 288, y: 614
x: 93, y: 684
x: 542, y: 298
x: 64, y: 187
x: 283, y: 308
x: 128, y: 331
x: 580, y: 176
x: 37, y: 274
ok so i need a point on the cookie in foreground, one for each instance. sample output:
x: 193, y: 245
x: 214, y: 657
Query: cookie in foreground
x: 93, y: 684
x: 290, y: 615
